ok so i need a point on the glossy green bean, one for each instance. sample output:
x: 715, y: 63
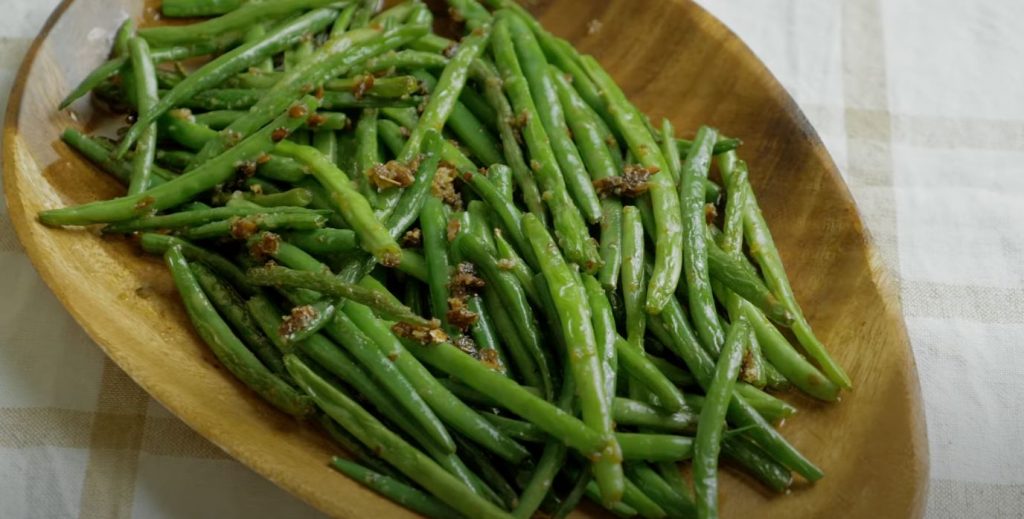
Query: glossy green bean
x: 569, y: 225
x: 447, y: 406
x: 146, y: 101
x: 232, y: 62
x: 569, y: 297
x: 767, y: 255
x: 604, y: 332
x: 395, y: 490
x: 675, y: 504
x: 695, y: 253
x: 226, y: 346
x: 184, y: 187
x: 335, y: 56
x: 633, y: 286
x: 664, y: 199
x: 447, y: 91
x: 646, y: 373
x: 234, y: 21
x: 433, y: 228
x: 390, y: 446
x: 373, y: 235
x: 552, y: 116
x: 712, y: 416
x: 411, y: 201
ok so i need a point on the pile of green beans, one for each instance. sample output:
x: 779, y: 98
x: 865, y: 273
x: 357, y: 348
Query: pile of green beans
x: 411, y: 239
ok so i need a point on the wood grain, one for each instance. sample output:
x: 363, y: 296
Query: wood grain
x: 674, y: 60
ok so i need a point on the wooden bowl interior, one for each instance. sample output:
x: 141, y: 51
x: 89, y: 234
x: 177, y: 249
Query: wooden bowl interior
x: 674, y: 60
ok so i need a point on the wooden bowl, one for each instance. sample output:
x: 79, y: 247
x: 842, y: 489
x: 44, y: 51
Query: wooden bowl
x: 674, y: 60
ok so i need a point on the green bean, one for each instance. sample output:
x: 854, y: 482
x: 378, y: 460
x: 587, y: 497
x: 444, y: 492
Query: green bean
x: 684, y: 344
x: 568, y: 221
x: 514, y: 300
x: 634, y: 413
x: 667, y: 217
x: 750, y: 457
x: 193, y: 218
x: 516, y: 429
x: 231, y: 306
x: 655, y: 447
x: 670, y: 150
x: 228, y: 349
x: 586, y: 133
x: 508, y: 214
x: 98, y: 152
x: 196, y: 8
x: 234, y: 21
x: 604, y: 332
x: 489, y: 473
x: 633, y: 287
x: 620, y: 509
x: 390, y: 446
x: 671, y: 501
x: 733, y: 275
x: 483, y: 333
x: 767, y: 255
x: 326, y: 142
x: 407, y: 496
x: 677, y: 375
x: 507, y: 254
x: 712, y: 416
x: 513, y: 397
x: 146, y: 100
x: 568, y: 297
x: 395, y: 87
x: 220, y: 119
x: 645, y: 372
x: 551, y: 459
x: 573, y: 497
x: 196, y: 85
x: 464, y: 124
x: 552, y: 116
x: 501, y: 176
x: 413, y: 197
x: 373, y: 235
x: 323, y: 241
x: 695, y: 253
x: 782, y: 355
x: 185, y: 187
x: 513, y: 154
x: 433, y: 225
x: 326, y: 283
x: 174, y: 159
x: 243, y: 226
x: 295, y: 197
x: 160, y: 243
x: 405, y: 59
x: 115, y: 65
x: 722, y: 145
x: 235, y: 99
x: 639, y: 501
x: 524, y: 361
x: 367, y: 153
x: 332, y: 58
x: 345, y: 332
x: 446, y: 93
x: 447, y: 406
x: 352, y: 446
x: 339, y: 363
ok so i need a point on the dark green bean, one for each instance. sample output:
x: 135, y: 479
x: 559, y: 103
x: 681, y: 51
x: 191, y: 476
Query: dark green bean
x: 228, y: 349
x: 395, y: 490
x: 185, y: 187
x: 390, y: 446
x: 712, y: 416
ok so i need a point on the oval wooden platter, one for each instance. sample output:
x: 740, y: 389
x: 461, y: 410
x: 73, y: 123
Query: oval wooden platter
x: 674, y: 60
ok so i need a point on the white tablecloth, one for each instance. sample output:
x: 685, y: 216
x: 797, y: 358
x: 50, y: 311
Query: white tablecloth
x: 921, y: 104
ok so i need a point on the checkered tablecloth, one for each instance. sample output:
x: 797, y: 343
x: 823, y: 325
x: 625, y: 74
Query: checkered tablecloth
x: 921, y: 104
